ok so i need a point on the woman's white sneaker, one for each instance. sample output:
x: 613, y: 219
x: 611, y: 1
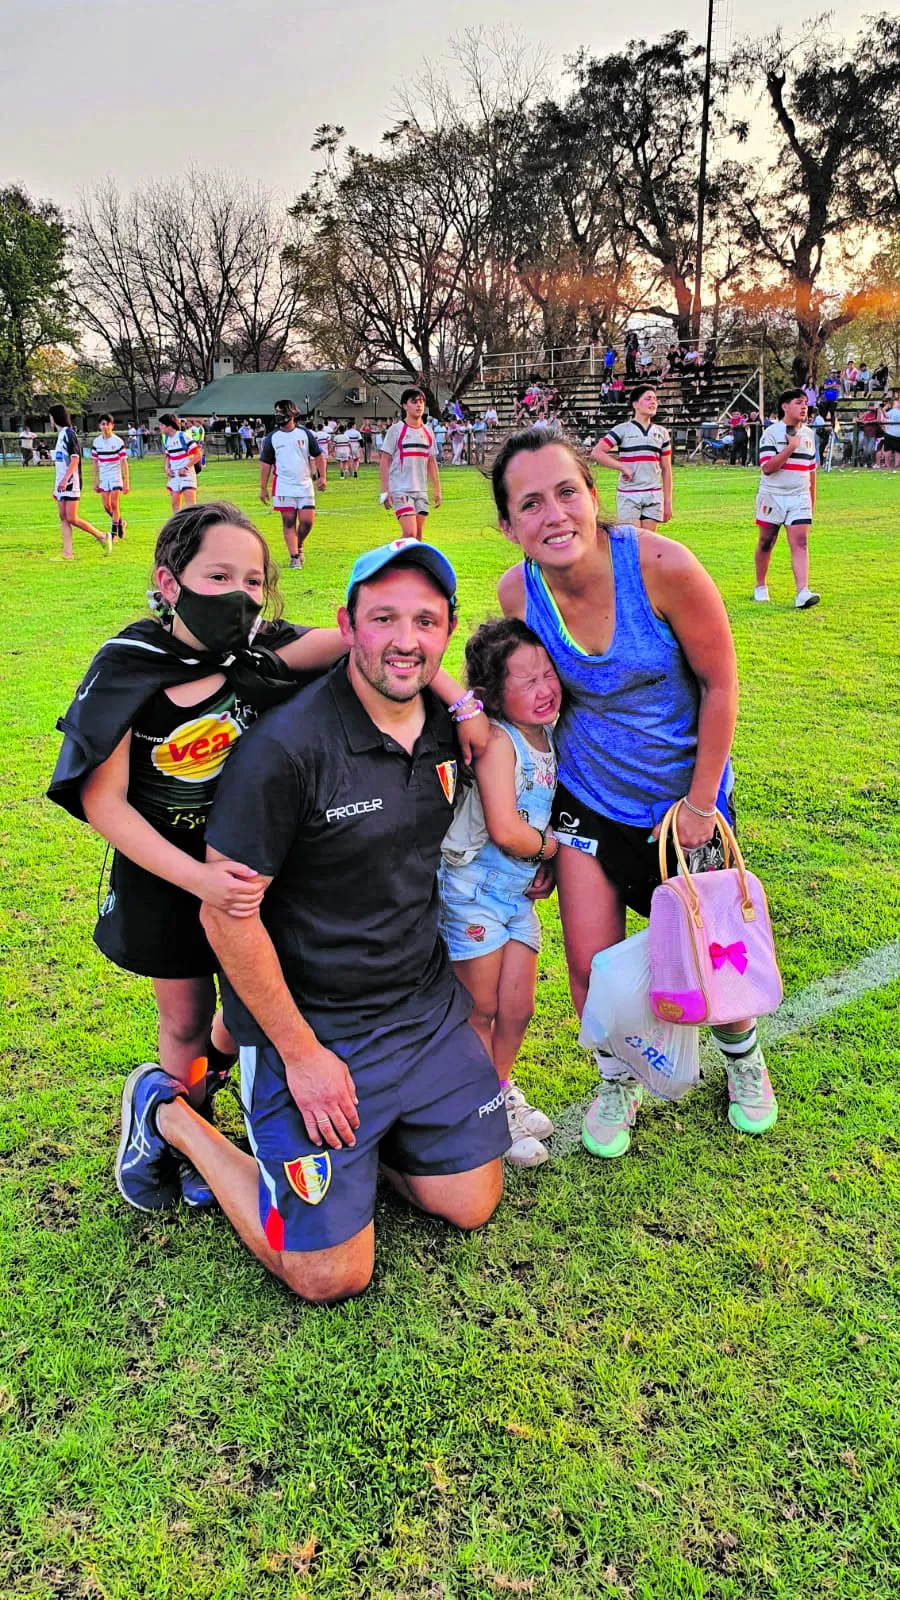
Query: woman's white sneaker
x: 528, y: 1119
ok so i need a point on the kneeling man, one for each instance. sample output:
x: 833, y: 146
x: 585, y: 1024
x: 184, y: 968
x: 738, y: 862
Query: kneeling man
x: 356, y: 1050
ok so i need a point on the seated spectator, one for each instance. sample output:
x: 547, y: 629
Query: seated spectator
x: 863, y: 379
x: 880, y: 378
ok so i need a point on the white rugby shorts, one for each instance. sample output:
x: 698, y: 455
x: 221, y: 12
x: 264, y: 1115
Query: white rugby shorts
x: 782, y: 509
x: 110, y: 478
x: 294, y: 502
x: 641, y: 505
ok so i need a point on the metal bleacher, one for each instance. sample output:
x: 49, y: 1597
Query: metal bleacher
x: 577, y: 375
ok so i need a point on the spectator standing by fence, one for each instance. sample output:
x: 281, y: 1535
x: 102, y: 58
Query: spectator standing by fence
x: 26, y: 444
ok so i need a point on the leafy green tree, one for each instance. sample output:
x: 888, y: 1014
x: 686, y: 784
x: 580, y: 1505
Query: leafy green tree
x: 834, y: 170
x: 34, y: 303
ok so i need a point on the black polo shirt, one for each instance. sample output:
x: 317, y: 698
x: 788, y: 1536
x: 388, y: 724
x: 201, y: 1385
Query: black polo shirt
x: 349, y: 826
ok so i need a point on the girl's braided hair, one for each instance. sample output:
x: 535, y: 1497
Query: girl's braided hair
x: 182, y: 537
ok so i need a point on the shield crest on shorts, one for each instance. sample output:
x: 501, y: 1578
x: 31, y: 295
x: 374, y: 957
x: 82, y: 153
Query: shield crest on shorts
x: 447, y: 774
x: 309, y: 1177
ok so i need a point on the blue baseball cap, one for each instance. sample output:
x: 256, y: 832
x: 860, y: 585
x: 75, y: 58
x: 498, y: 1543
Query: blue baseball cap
x: 422, y: 555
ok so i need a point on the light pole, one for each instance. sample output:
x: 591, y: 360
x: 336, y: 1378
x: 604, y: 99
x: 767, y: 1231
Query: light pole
x: 697, y: 306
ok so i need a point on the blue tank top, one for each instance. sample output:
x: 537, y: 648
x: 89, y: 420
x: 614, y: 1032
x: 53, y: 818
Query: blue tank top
x: 627, y: 735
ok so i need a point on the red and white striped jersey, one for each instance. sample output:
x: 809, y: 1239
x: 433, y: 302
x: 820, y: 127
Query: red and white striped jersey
x: 643, y: 449
x: 795, y: 473
x: 410, y: 450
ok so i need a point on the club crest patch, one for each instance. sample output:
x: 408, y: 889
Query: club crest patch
x: 447, y: 774
x: 310, y: 1177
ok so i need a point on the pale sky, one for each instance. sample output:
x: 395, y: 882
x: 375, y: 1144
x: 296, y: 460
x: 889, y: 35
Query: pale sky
x: 143, y: 90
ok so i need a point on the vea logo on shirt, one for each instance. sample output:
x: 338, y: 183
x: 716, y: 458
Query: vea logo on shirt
x: 197, y: 749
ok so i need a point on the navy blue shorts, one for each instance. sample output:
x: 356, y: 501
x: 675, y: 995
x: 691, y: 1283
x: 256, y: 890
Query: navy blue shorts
x: 429, y: 1105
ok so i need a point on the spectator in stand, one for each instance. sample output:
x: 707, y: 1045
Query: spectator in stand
x: 812, y: 395
x: 26, y: 444
x: 645, y: 356
x: 831, y: 393
x: 491, y: 418
x: 674, y: 358
x: 740, y: 438
x: 631, y: 355
x: 880, y: 378
x: 870, y: 431
x: 863, y: 379
x: 821, y: 428
x: 890, y: 450
x: 849, y: 378
x: 604, y: 390
x: 609, y: 359
x: 617, y: 388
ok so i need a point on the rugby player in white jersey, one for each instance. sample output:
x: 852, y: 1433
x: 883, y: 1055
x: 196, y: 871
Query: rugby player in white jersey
x: 641, y: 452
x: 110, y: 460
x: 180, y: 456
x: 290, y: 449
x: 355, y: 439
x: 787, y: 495
x: 408, y: 466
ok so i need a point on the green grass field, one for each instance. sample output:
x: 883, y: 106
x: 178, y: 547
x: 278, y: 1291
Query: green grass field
x: 671, y: 1376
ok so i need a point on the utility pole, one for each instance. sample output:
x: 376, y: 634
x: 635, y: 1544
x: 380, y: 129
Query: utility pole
x: 697, y: 305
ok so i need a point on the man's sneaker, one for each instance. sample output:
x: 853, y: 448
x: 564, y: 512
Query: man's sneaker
x: 296, y: 561
x: 528, y: 1119
x: 761, y: 593
x: 146, y: 1174
x: 753, y: 1107
x: 606, y: 1130
x: 527, y: 1152
x: 806, y: 598
x: 195, y: 1190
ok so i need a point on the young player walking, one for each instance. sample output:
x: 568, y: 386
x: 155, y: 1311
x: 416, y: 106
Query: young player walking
x: 288, y: 452
x: 409, y: 466
x: 67, y: 491
x: 787, y: 495
x: 180, y: 459
x: 110, y: 459
x: 641, y: 452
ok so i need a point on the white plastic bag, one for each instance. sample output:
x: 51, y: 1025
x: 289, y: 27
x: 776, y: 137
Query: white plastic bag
x: 619, y: 1021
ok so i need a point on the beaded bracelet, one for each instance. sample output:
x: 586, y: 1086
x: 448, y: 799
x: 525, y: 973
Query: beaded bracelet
x: 458, y: 704
x: 696, y: 809
x: 466, y: 716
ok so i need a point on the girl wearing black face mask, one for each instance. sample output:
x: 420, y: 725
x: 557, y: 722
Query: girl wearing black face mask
x: 153, y: 722
x: 155, y: 718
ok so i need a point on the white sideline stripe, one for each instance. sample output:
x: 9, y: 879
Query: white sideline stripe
x: 801, y: 1010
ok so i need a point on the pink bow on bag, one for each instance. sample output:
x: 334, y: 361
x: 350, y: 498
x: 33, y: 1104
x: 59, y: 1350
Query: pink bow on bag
x: 735, y: 953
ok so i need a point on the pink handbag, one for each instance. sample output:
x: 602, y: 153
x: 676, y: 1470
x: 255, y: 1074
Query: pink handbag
x: 712, y: 956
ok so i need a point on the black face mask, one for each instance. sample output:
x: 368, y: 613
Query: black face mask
x: 221, y: 622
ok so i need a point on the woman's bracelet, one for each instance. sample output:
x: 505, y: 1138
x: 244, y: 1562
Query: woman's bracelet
x: 696, y: 809
x: 474, y: 711
x: 463, y: 700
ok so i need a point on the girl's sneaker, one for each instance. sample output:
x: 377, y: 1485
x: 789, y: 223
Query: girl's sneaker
x: 753, y: 1107
x: 606, y: 1129
x: 527, y: 1152
x: 528, y: 1119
